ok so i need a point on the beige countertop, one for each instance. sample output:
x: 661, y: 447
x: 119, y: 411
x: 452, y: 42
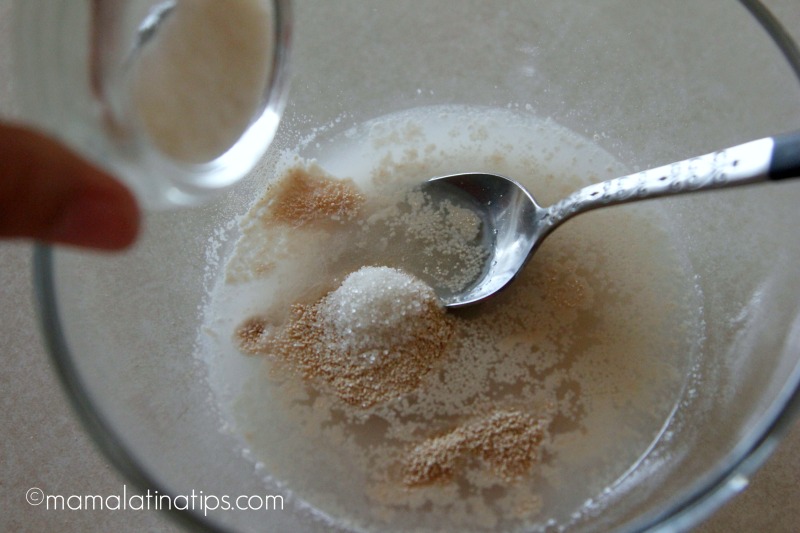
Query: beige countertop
x: 43, y: 444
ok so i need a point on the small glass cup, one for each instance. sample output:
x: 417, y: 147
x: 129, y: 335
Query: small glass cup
x: 76, y: 70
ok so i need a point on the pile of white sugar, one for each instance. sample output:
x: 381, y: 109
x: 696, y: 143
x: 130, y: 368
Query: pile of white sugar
x: 516, y: 414
x: 372, y: 339
x: 373, y: 309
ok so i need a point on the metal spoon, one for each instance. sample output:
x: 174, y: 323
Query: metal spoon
x: 515, y: 225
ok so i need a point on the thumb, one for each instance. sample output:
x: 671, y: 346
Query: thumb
x: 48, y: 193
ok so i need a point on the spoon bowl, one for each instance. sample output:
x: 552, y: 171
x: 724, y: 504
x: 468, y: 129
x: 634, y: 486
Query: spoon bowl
x: 511, y: 224
x: 514, y: 225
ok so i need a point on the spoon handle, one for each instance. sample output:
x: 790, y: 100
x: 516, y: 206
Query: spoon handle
x: 767, y: 159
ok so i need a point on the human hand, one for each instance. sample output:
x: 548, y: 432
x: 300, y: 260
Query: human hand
x: 48, y: 193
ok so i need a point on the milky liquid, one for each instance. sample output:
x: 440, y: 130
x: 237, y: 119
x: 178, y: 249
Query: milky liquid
x: 595, y: 336
x: 200, y: 82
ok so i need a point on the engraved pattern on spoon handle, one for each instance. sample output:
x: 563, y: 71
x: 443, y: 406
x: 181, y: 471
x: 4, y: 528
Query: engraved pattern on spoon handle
x: 738, y: 165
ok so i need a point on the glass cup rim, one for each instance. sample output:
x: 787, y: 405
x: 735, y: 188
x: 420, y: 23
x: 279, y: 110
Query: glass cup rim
x: 686, y: 510
x: 193, y: 183
x: 66, y: 88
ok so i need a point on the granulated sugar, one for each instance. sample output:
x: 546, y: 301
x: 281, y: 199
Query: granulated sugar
x: 385, y: 412
x: 372, y: 339
x: 374, y: 309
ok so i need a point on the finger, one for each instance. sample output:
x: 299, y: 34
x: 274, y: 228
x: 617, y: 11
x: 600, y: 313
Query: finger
x: 48, y: 193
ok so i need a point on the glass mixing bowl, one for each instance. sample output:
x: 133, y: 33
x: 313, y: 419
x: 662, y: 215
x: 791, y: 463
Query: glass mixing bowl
x: 649, y: 82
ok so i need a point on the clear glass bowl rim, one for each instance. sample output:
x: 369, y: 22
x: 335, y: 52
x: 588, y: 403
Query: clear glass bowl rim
x: 684, y: 511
